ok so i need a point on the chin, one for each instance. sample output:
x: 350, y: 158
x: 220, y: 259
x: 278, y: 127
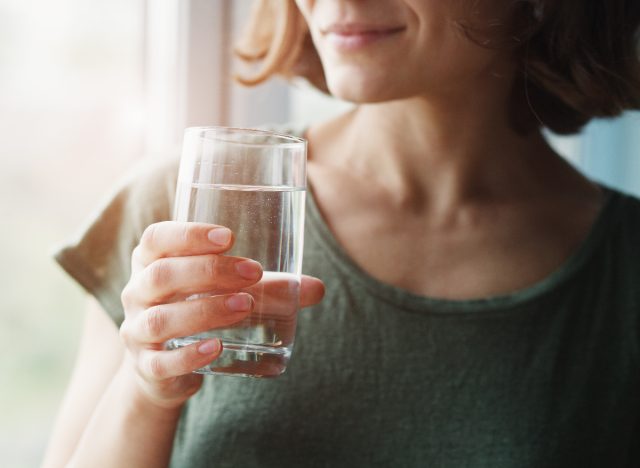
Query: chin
x: 362, y: 89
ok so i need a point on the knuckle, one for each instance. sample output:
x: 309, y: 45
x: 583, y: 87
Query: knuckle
x: 210, y: 267
x: 156, y: 367
x: 185, y: 360
x: 125, y: 332
x: 193, y: 233
x: 155, y: 321
x: 136, y: 255
x: 158, y: 273
x: 185, y: 234
x: 149, y: 236
x: 126, y: 296
x: 201, y: 312
x: 214, y: 315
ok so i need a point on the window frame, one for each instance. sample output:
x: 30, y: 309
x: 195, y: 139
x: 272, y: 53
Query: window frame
x: 188, y: 72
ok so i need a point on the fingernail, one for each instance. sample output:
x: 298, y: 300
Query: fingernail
x: 238, y: 302
x: 220, y: 236
x: 209, y: 346
x: 249, y: 269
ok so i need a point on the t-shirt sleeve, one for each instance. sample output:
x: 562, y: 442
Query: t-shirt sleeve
x: 632, y: 259
x: 99, y: 257
x: 628, y: 256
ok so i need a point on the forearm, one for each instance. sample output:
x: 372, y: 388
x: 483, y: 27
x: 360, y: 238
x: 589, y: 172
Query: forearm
x: 126, y: 429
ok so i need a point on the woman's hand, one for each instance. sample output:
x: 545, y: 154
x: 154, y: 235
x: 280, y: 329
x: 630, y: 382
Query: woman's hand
x: 172, y: 262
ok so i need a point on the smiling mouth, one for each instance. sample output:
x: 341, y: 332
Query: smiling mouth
x: 354, y: 36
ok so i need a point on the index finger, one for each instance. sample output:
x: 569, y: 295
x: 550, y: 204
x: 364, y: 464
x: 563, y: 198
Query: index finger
x: 180, y: 239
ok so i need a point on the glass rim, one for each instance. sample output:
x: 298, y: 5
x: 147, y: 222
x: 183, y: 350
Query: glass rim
x: 290, y: 141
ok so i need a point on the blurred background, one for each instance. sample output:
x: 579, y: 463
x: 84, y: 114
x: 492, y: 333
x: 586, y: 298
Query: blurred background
x: 89, y: 87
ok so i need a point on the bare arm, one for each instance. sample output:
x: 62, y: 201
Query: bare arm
x: 127, y: 390
x: 104, y: 420
x: 126, y: 429
x: 99, y: 356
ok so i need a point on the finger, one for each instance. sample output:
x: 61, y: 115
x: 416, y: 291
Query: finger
x: 280, y: 295
x: 177, y: 239
x: 178, y: 277
x: 311, y: 291
x: 163, y: 322
x: 155, y: 365
x: 263, y: 368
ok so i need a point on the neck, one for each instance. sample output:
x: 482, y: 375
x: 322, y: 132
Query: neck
x: 444, y: 150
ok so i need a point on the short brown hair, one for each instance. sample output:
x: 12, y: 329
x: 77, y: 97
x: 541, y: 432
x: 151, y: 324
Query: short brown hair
x: 578, y: 59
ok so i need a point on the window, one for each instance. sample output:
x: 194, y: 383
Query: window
x: 71, y: 92
x: 88, y: 87
x: 609, y: 151
x: 606, y: 151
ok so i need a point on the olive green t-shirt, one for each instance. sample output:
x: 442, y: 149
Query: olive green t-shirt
x: 548, y: 376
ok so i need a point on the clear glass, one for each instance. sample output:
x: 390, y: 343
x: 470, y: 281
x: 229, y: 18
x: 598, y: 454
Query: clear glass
x: 254, y: 183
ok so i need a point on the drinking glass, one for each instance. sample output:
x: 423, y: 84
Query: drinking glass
x: 254, y: 183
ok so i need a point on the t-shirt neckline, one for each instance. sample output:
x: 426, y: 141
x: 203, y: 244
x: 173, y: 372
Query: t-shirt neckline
x: 406, y: 299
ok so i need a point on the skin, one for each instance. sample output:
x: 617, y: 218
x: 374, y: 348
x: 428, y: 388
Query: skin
x: 424, y: 184
x: 126, y: 414
x: 445, y: 198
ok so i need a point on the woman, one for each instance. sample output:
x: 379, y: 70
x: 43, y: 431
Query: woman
x: 482, y: 304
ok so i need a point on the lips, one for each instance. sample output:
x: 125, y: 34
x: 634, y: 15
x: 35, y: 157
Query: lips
x: 351, y: 36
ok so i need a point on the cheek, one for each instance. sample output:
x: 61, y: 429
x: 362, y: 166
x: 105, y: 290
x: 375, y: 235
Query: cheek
x: 438, y: 55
